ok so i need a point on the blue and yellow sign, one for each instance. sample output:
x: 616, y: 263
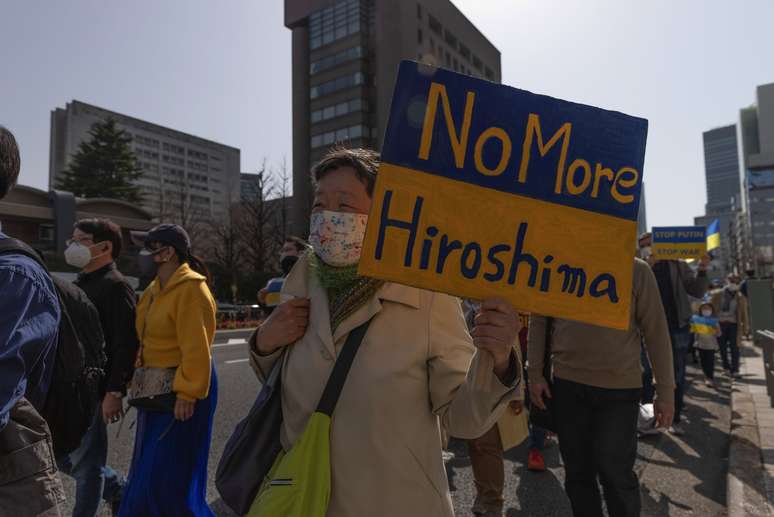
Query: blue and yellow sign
x: 679, y: 242
x: 485, y: 190
x: 706, y: 326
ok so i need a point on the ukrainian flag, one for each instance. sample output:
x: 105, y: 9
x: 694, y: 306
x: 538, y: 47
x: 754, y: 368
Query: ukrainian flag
x: 701, y: 325
x: 713, y: 235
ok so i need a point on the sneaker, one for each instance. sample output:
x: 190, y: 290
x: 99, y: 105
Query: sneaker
x: 677, y: 429
x: 535, y: 461
x: 447, y: 456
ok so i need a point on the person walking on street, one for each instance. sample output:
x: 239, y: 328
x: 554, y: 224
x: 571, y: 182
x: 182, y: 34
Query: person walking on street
x: 292, y: 249
x: 676, y: 284
x: 29, y: 323
x: 486, y: 451
x: 595, y: 396
x: 707, y: 331
x: 731, y: 307
x: 93, y: 249
x: 176, y: 327
x: 418, y: 369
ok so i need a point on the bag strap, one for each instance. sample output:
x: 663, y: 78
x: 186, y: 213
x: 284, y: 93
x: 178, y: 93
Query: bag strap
x: 11, y: 245
x: 338, y: 376
x: 138, y: 361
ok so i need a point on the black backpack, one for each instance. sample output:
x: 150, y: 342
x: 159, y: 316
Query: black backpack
x: 79, y: 365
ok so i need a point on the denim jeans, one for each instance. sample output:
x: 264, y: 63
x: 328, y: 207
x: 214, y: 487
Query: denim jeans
x: 94, y: 480
x: 537, y: 437
x: 681, y: 342
x: 597, y: 431
x: 728, y: 341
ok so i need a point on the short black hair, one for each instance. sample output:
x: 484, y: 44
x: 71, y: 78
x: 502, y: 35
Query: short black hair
x: 364, y: 161
x: 10, y: 162
x: 298, y: 242
x: 103, y: 230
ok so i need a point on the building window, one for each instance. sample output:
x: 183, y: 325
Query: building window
x: 450, y: 38
x: 464, y: 51
x: 338, y: 110
x: 340, y: 83
x: 434, y: 25
x: 478, y: 64
x: 325, y: 63
x: 448, y: 59
x: 489, y: 74
x: 340, y: 135
x: 419, y: 11
x: 334, y: 23
x: 419, y: 36
x: 46, y: 233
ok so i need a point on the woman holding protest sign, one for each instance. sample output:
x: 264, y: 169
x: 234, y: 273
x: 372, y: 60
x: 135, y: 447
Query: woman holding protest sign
x: 418, y: 368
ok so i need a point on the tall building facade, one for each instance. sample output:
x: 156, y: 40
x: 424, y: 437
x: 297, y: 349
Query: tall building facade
x: 345, y: 60
x: 186, y: 179
x: 757, y: 160
x: 721, y: 168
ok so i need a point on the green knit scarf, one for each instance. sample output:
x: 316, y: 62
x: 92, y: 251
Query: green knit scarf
x: 347, y: 291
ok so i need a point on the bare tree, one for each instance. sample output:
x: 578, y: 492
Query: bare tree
x: 224, y: 246
x: 256, y: 220
x: 281, y: 226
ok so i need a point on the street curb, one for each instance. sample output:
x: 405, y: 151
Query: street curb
x: 746, y: 482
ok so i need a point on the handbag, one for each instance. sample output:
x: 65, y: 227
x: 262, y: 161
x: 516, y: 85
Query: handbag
x: 295, y: 483
x: 253, y: 446
x: 545, y: 418
x: 151, y: 388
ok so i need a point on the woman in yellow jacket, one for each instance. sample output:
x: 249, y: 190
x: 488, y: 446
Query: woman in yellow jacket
x: 176, y: 326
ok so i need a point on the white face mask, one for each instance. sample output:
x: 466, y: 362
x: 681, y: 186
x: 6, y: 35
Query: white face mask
x: 78, y: 255
x: 706, y: 313
x: 645, y: 253
x: 337, y: 237
x: 733, y: 287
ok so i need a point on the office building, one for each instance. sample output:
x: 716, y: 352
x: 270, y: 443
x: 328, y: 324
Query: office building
x: 721, y: 168
x: 186, y: 179
x: 345, y: 60
x: 642, y: 214
x: 757, y: 160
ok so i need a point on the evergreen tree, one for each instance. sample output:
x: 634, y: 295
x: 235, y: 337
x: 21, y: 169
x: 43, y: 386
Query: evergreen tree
x: 104, y: 166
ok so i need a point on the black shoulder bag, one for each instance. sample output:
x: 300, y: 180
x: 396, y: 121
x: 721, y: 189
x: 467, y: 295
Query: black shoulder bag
x: 545, y: 418
x: 255, y: 443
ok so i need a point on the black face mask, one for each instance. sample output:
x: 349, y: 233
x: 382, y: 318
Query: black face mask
x: 148, y: 267
x: 287, y: 262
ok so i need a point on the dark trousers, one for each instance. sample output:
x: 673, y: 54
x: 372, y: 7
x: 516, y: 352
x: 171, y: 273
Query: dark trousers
x: 681, y: 342
x: 597, y: 431
x: 648, y: 390
x: 728, y: 343
x: 708, y: 363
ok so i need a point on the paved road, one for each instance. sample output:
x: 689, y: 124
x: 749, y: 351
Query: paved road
x: 680, y: 477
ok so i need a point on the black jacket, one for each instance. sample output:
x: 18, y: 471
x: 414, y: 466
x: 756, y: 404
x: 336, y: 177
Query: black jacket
x: 116, y: 302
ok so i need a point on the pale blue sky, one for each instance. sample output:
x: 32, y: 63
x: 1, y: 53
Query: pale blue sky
x: 221, y: 70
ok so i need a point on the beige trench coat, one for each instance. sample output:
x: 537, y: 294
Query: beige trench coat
x: 416, y: 370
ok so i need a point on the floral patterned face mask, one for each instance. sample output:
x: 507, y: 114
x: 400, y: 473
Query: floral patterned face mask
x: 337, y: 237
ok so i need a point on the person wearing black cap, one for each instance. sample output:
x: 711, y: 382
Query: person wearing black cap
x: 176, y: 327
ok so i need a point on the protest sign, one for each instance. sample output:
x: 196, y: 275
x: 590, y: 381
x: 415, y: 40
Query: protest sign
x: 679, y: 242
x: 485, y: 190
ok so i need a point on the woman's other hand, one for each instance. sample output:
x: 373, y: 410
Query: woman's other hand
x: 496, y: 331
x: 286, y: 325
x: 184, y: 409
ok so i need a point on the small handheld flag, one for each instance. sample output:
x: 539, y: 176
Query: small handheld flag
x: 713, y: 235
x: 702, y: 325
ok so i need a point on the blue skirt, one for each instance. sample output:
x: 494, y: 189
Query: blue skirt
x: 168, y: 475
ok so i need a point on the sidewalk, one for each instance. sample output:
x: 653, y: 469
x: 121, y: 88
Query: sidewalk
x: 751, y: 457
x: 680, y: 476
